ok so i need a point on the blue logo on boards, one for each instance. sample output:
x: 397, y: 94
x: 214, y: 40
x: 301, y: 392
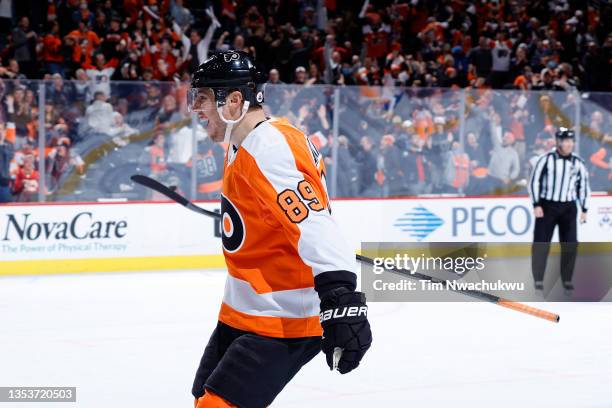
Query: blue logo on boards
x: 419, y: 222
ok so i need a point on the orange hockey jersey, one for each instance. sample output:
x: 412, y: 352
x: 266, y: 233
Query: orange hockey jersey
x: 278, y: 233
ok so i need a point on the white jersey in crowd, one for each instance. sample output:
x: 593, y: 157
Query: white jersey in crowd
x: 501, y: 57
x: 100, y: 80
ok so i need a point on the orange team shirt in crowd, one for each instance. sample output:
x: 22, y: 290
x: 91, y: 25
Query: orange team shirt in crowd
x: 10, y: 132
x: 437, y: 28
x: 462, y: 170
x: 377, y: 40
x: 278, y: 233
x: 93, y: 41
x: 517, y: 129
x: 132, y: 8
x: 52, y: 49
x: 149, y: 59
x: 228, y: 9
x: 599, y: 159
x: 158, y: 160
x: 423, y: 125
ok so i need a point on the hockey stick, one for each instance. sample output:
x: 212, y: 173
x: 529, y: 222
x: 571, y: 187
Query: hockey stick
x: 487, y: 297
x: 519, y: 307
x: 171, y: 194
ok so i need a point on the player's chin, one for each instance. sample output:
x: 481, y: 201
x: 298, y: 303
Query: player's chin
x: 210, y: 128
x: 215, y: 134
x: 216, y: 138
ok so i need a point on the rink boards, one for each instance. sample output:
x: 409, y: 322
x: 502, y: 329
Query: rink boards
x: 108, y: 237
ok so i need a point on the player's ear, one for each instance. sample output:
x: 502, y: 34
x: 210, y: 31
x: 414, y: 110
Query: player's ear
x: 233, y: 104
x: 235, y: 99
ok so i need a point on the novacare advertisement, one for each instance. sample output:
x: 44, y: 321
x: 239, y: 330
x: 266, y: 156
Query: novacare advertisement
x: 103, y: 232
x: 153, y: 236
x: 77, y: 233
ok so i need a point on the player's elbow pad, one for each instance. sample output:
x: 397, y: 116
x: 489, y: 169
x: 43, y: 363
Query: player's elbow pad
x: 327, y: 281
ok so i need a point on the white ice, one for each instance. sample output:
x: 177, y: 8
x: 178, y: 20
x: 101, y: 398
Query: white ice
x: 134, y: 340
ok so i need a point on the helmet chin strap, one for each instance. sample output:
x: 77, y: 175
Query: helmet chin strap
x: 231, y: 123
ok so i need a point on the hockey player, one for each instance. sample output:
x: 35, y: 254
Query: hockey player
x: 291, y: 276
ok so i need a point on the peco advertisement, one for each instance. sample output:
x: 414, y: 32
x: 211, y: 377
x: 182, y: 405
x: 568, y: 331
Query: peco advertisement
x: 507, y: 219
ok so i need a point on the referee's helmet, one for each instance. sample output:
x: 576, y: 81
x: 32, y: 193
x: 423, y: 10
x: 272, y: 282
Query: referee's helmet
x: 565, y: 133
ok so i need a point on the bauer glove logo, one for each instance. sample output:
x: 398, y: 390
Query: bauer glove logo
x: 340, y: 312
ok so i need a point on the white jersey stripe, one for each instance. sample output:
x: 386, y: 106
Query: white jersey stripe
x: 240, y: 296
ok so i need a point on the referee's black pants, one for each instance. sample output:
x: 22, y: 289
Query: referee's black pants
x: 564, y: 216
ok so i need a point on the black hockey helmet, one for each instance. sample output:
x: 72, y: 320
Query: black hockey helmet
x: 227, y: 71
x: 565, y: 133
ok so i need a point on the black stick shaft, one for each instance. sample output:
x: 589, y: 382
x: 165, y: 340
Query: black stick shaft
x: 171, y: 194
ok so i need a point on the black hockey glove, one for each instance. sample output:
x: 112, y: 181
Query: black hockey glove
x: 346, y: 331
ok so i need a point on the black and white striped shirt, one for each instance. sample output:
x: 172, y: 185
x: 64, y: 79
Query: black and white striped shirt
x: 560, y: 179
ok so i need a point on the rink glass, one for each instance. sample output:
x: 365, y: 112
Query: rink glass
x: 116, y: 129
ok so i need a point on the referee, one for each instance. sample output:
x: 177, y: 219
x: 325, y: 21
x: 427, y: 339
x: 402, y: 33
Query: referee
x: 558, y: 183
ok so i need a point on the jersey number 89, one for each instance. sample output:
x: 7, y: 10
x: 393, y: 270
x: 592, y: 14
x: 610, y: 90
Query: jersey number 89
x: 296, y: 207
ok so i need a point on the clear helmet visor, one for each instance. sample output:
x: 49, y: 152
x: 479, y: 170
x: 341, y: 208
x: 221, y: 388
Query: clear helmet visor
x: 200, y: 100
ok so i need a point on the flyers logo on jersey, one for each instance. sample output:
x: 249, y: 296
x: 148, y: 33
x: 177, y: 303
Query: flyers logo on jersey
x: 232, y: 226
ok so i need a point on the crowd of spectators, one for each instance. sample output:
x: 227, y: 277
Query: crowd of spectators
x: 541, y: 44
x: 427, y: 147
x: 118, y: 68
x: 408, y: 141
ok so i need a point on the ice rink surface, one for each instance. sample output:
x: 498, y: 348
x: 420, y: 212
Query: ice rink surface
x: 134, y: 340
